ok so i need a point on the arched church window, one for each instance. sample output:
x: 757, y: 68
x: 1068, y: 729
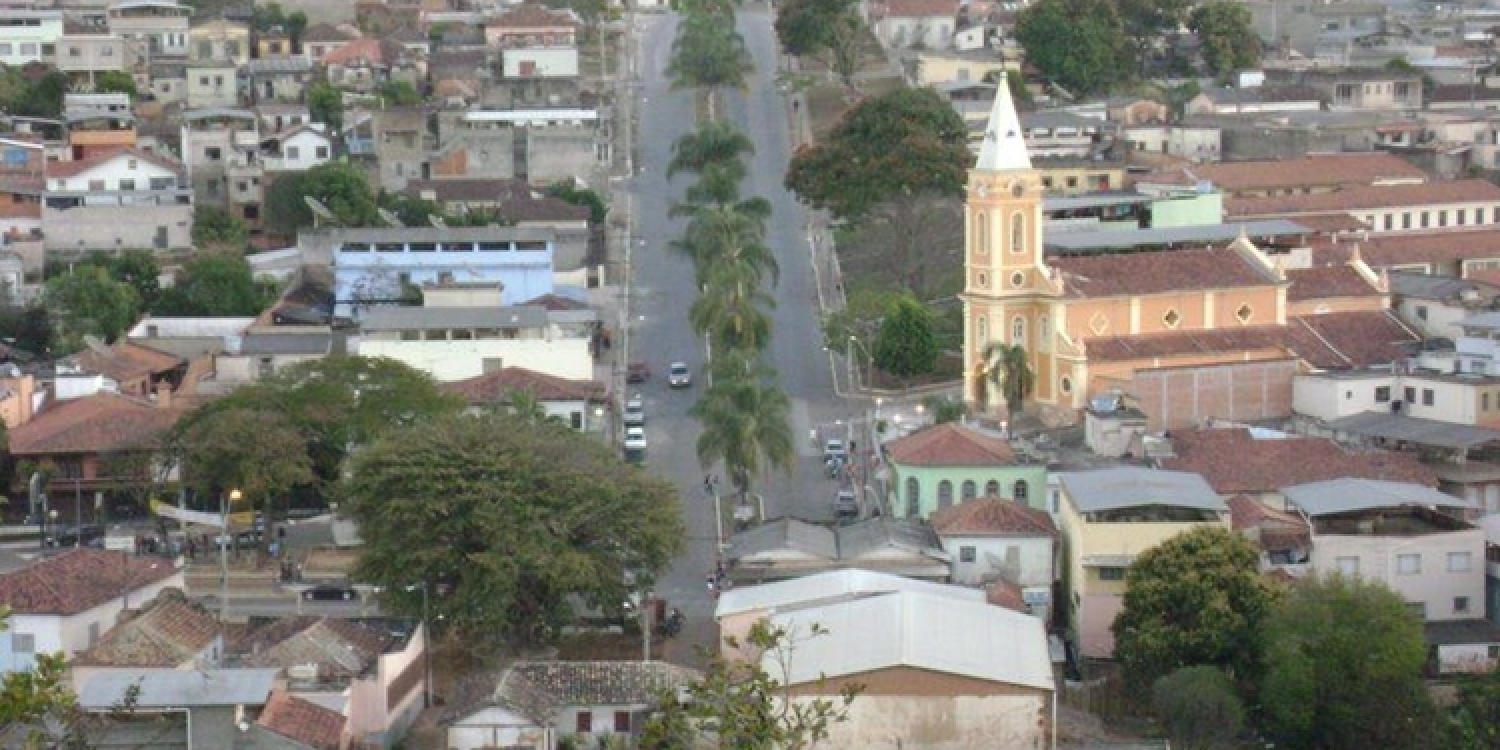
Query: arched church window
x: 981, y: 236
x: 1018, y: 331
x: 1017, y: 233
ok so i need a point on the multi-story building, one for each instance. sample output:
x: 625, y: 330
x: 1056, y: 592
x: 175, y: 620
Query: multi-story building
x: 160, y: 27
x: 98, y: 124
x: 1108, y: 518
x: 1456, y: 205
x: 28, y: 36
x: 81, y: 55
x: 221, y: 152
x: 122, y: 199
x: 219, y: 40
x: 212, y: 84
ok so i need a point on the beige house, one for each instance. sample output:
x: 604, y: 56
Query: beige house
x: 219, y: 40
x: 940, y: 666
x: 936, y: 66
x: 1108, y: 518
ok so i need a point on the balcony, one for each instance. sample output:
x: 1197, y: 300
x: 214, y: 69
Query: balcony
x: 64, y: 200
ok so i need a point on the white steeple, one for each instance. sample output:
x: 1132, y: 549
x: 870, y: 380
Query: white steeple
x: 1003, y: 149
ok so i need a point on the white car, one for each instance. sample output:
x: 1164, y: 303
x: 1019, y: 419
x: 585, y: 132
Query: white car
x: 635, y: 412
x: 679, y: 375
x: 635, y: 438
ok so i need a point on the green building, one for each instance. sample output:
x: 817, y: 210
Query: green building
x: 949, y: 463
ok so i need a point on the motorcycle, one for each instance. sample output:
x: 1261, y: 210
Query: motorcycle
x: 673, y: 624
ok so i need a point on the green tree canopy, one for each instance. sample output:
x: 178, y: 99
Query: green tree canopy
x: 1195, y: 599
x: 887, y: 147
x: 1145, y: 21
x: 1077, y: 44
x: 213, y: 225
x: 712, y: 144
x: 325, y: 104
x: 114, y: 82
x: 1473, y: 721
x: 260, y: 453
x: 708, y: 53
x: 26, y: 328
x: 1226, y: 36
x: 339, y: 186
x: 569, y: 191
x: 1343, y: 668
x: 745, y: 420
x: 905, y: 345
x: 829, y: 30
x: 217, y: 285
x: 1009, y: 369
x: 400, y: 94
x: 504, y: 519
x: 88, y: 302
x: 1199, y: 707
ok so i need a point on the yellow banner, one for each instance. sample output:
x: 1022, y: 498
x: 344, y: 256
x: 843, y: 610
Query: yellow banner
x: 243, y: 519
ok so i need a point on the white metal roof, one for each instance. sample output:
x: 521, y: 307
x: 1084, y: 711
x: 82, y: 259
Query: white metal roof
x: 833, y: 585
x: 1346, y: 495
x: 915, y: 629
x: 1134, y: 487
x: 532, y: 115
x: 173, y: 688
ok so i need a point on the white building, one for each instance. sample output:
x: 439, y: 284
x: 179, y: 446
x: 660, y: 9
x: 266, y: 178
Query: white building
x: 540, y: 62
x: 996, y: 539
x: 297, y: 149
x: 48, y: 618
x: 159, y: 27
x: 908, y: 24
x: 119, y: 199
x: 29, y: 35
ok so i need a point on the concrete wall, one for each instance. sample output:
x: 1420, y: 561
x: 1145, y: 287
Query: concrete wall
x: 1026, y: 561
x: 457, y: 360
x: 1184, y: 396
x: 559, y: 153
x: 116, y: 227
x: 1435, y: 586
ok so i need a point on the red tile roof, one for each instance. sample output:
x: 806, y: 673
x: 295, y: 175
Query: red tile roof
x: 531, y: 16
x: 66, y: 169
x: 168, y: 633
x: 950, y: 444
x: 125, y: 361
x: 1403, y: 249
x: 494, y: 387
x: 555, y: 303
x: 1125, y: 274
x: 1325, y: 282
x: 992, y: 516
x: 1003, y: 593
x: 1184, y: 343
x: 1361, y: 198
x: 1309, y: 171
x: 1233, y: 461
x: 371, y: 50
x: 1345, y: 340
x: 78, y: 580
x: 303, y: 721
x: 93, y: 424
x: 917, y: 8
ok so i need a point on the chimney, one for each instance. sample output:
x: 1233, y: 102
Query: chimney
x: 163, y: 395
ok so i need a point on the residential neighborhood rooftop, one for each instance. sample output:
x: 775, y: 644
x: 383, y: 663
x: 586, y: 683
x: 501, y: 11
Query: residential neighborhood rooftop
x: 165, y: 688
x: 77, y: 580
x: 1234, y: 460
x: 1334, y: 496
x: 992, y: 516
x: 950, y: 444
x: 1131, y: 487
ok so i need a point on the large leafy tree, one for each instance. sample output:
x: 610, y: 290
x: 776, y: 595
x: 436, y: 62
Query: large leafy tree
x: 339, y: 186
x: 260, y: 453
x: 827, y: 30
x: 88, y: 302
x: 1199, y: 708
x: 1145, y: 21
x: 503, y: 520
x: 1343, y: 668
x: 217, y: 285
x: 888, y: 147
x: 905, y: 345
x: 1226, y: 36
x: 745, y: 420
x: 1077, y: 44
x: 1196, y: 599
x: 325, y: 104
x: 1473, y: 721
x: 213, y: 225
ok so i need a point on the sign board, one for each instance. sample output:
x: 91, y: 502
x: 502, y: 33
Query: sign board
x: 1035, y: 596
x: 119, y: 543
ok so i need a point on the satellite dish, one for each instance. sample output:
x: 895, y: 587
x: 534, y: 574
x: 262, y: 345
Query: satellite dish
x: 393, y: 220
x: 320, y: 212
x: 437, y: 221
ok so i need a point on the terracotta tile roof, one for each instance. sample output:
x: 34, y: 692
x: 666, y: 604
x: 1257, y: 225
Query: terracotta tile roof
x: 1361, y: 198
x: 1233, y: 461
x: 531, y: 16
x: 371, y: 50
x: 78, y: 580
x: 496, y: 387
x: 125, y: 361
x: 94, y: 424
x: 1326, y: 282
x: 1125, y: 274
x: 1401, y: 249
x: 340, y: 648
x: 66, y: 169
x: 1003, y: 593
x: 992, y: 516
x: 950, y: 444
x: 918, y: 8
x: 324, y: 32
x: 1317, y: 170
x: 538, y: 688
x: 303, y: 721
x: 1330, y: 223
x: 168, y: 633
x: 555, y: 303
x: 1275, y: 529
x: 1350, y: 339
x: 1184, y: 343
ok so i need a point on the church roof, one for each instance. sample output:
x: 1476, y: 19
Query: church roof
x: 1159, y: 272
x: 1003, y: 148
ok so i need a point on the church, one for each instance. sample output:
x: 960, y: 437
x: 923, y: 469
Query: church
x: 1186, y: 335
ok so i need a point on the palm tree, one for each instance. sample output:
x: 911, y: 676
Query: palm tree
x: 719, y: 234
x: 709, y: 54
x: 745, y: 425
x: 1009, y: 369
x: 717, y: 185
x: 732, y: 311
x: 712, y: 144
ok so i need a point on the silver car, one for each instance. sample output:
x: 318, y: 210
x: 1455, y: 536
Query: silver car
x: 679, y: 375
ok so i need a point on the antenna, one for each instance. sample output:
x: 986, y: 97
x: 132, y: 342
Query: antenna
x: 393, y: 220
x: 320, y: 212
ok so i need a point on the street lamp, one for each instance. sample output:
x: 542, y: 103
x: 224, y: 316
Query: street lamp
x: 52, y: 522
x: 225, y: 500
x: 869, y: 362
x: 426, y: 645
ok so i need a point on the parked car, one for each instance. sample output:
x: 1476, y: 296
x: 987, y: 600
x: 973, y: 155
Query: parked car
x: 635, y: 438
x: 635, y: 412
x: 330, y: 592
x: 637, y: 372
x: 846, y: 504
x: 68, y: 536
x: 834, y: 450
x: 679, y: 375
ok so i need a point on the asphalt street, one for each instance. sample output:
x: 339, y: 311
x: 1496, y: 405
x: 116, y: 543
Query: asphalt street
x: 663, y: 291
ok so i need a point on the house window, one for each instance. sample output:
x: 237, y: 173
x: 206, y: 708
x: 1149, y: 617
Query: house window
x: 583, y: 722
x: 1484, y: 402
x: 321, y: 152
x: 992, y: 488
x: 1426, y: 220
x: 1066, y: 384
x: 293, y: 152
x: 970, y: 489
x: 945, y: 494
x: 622, y: 722
x: 1421, y: 312
x: 1460, y: 605
x: 127, y: 184
x: 1408, y: 565
x: 1459, y: 562
x: 1020, y: 491
x: 213, y: 154
x: 1383, y: 394
x: 912, y: 497
x: 1390, y: 222
x: 1427, y: 397
x: 982, y: 332
x: 1459, y: 216
x: 6, y: 49
x: 1419, y: 609
x: 1411, y: 395
x: 1112, y: 574
x: 1442, y: 218
x: 22, y: 643
x: 1406, y: 220
x: 96, y: 184
x: 967, y: 554
x: 1348, y: 566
